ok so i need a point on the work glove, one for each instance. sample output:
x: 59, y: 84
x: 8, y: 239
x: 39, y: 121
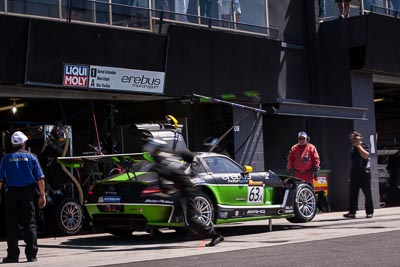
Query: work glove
x: 290, y: 172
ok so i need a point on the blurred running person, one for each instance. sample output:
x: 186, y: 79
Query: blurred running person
x: 171, y: 165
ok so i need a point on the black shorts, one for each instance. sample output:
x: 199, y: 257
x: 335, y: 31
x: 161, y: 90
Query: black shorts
x: 342, y: 1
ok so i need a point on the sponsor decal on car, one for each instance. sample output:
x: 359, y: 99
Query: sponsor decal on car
x: 223, y: 215
x: 159, y: 201
x: 198, y: 181
x: 289, y: 209
x: 252, y: 182
x: 256, y: 212
x: 111, y: 199
x: 255, y: 192
x: 235, y: 178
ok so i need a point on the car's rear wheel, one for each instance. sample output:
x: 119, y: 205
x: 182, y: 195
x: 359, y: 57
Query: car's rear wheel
x: 69, y: 216
x: 205, y: 207
x: 305, y: 204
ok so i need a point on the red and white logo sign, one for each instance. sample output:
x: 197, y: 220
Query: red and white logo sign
x: 76, y: 75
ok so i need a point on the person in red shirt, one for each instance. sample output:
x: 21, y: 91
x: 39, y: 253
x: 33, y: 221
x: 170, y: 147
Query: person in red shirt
x: 303, y: 160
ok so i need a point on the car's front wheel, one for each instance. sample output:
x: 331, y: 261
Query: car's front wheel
x: 305, y: 204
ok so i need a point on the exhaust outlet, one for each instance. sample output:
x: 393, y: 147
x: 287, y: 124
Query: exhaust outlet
x: 281, y: 212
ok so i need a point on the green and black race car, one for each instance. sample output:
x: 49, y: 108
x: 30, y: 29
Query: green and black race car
x: 137, y: 200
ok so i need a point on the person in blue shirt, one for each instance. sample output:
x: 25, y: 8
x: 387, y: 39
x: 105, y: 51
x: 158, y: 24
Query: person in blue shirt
x: 21, y: 174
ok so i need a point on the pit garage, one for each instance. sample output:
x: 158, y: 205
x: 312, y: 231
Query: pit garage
x: 64, y: 123
x: 387, y: 112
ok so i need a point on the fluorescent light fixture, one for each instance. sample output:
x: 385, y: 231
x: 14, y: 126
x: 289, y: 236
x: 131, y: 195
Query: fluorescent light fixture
x: 14, y: 107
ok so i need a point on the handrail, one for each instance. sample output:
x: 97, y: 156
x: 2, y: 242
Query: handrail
x: 388, y: 11
x: 151, y: 15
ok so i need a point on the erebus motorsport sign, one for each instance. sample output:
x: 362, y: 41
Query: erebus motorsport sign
x: 108, y: 78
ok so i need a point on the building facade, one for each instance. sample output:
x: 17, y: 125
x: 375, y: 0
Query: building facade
x: 318, y: 77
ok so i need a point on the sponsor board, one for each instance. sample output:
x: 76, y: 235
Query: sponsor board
x: 76, y: 75
x: 110, y: 78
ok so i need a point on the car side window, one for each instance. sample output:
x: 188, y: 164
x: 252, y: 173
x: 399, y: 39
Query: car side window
x: 222, y: 165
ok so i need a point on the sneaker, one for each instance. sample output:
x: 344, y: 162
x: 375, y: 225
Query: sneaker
x: 9, y: 260
x: 369, y: 216
x: 215, y: 241
x: 341, y: 17
x: 350, y: 215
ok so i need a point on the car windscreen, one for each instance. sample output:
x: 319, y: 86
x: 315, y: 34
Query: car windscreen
x: 222, y: 165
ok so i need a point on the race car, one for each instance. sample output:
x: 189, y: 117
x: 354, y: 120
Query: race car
x: 137, y: 199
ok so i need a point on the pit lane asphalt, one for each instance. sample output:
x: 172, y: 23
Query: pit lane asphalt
x: 329, y: 240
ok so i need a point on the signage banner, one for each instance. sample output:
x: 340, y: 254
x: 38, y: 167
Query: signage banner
x: 109, y: 78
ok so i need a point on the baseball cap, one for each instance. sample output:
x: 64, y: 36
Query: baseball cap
x: 302, y: 134
x: 18, y: 138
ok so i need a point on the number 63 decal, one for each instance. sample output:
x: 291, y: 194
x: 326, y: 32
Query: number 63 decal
x: 255, y: 194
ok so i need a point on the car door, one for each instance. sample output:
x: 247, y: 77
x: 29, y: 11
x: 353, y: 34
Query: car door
x: 231, y: 180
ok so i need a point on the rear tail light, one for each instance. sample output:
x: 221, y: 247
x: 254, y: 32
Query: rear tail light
x: 151, y: 191
x: 91, y: 190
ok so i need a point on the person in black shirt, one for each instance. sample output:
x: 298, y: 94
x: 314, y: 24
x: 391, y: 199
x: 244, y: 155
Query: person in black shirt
x: 360, y: 177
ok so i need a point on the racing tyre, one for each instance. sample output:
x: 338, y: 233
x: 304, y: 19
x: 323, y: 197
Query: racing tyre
x: 205, y: 207
x: 69, y: 216
x: 305, y: 204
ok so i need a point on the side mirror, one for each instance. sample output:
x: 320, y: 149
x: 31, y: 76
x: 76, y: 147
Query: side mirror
x: 247, y: 168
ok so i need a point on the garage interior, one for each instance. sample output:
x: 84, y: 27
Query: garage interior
x: 387, y: 113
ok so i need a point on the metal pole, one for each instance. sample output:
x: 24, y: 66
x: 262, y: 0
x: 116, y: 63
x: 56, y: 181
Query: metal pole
x: 198, y: 12
x: 161, y: 21
x: 150, y: 6
x: 59, y: 9
x: 110, y: 12
x: 267, y: 15
x: 231, y: 103
x: 69, y: 11
x: 362, y: 7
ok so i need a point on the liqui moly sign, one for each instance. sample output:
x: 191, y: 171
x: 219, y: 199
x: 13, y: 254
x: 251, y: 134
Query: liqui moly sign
x: 76, y: 75
x: 110, y: 78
